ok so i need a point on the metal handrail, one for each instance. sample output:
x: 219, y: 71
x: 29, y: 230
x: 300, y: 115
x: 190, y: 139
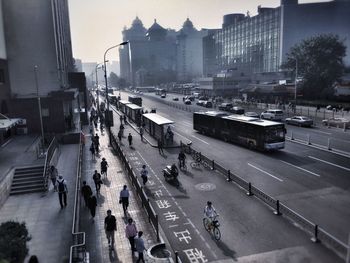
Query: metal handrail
x: 52, y: 146
x: 75, y: 224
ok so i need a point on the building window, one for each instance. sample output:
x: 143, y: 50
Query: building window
x: 2, y: 76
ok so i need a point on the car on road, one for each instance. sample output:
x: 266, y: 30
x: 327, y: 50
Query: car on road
x: 175, y: 99
x: 337, y: 122
x: 272, y: 114
x: 252, y: 114
x: 237, y: 110
x: 300, y: 121
x: 191, y: 98
x: 163, y: 96
x: 200, y: 102
x: 187, y: 102
x: 208, y: 104
x: 225, y: 106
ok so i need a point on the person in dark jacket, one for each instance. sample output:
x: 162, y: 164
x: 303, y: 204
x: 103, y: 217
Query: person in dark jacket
x: 92, y: 206
x: 86, y: 192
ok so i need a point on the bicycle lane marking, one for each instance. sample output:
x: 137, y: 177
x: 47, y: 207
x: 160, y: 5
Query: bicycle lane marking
x: 183, y: 235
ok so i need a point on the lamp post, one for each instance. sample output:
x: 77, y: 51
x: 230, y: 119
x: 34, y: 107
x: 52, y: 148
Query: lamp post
x: 97, y: 91
x: 107, y: 100
x: 39, y: 104
x: 295, y: 82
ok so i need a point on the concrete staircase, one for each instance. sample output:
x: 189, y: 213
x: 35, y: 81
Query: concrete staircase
x: 28, y: 180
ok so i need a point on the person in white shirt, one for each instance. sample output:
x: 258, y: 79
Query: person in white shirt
x: 209, y: 212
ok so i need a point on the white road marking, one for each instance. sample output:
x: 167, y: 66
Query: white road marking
x: 336, y: 165
x: 181, y: 135
x: 173, y: 226
x: 257, y: 168
x: 328, y: 133
x: 301, y: 168
x: 200, y: 139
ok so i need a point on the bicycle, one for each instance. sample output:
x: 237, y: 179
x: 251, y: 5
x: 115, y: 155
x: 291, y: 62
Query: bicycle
x: 213, y: 227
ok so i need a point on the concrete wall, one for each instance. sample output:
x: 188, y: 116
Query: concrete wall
x: 2, y: 35
x: 305, y: 20
x: 30, y: 41
x: 5, y: 185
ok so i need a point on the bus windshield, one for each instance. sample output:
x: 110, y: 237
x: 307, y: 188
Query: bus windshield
x: 274, y: 134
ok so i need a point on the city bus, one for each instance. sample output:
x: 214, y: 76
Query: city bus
x: 248, y: 131
x: 135, y: 100
x: 112, y: 99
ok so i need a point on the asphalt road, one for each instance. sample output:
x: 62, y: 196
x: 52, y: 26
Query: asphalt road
x: 249, y: 229
x: 314, y: 183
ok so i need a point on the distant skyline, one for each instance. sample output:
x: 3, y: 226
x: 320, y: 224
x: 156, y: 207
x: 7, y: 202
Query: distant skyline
x: 97, y: 24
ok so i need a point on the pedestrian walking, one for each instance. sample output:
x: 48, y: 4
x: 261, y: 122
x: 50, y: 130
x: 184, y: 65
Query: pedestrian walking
x: 62, y: 191
x: 121, y: 128
x: 53, y: 176
x: 97, y: 180
x: 33, y: 259
x: 141, y: 132
x: 86, y: 192
x: 131, y: 233
x: 140, y: 246
x: 130, y: 139
x: 120, y: 136
x: 144, y: 174
x: 92, y: 204
x: 121, y: 119
x: 92, y: 150
x: 124, y: 198
x: 97, y: 142
x: 124, y: 119
x: 110, y: 227
x: 104, y: 166
x: 160, y: 147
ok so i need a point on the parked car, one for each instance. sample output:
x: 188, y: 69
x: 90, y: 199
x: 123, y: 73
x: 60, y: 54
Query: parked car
x: 337, y: 122
x: 191, y: 98
x: 237, y: 110
x: 300, y: 121
x: 187, y: 102
x: 208, y: 104
x: 163, y: 96
x: 225, y: 106
x: 252, y: 114
x: 274, y: 114
x: 175, y: 99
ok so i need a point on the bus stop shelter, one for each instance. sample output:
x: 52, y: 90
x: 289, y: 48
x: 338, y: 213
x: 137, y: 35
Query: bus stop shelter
x: 134, y: 112
x: 158, y: 127
x: 122, y: 105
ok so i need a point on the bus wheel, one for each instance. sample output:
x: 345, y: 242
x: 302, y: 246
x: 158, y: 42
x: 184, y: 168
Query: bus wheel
x: 225, y: 139
x: 251, y: 145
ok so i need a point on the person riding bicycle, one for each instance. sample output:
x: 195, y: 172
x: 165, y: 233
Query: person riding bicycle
x: 209, y: 213
x: 182, y: 158
x: 198, y: 157
x: 174, y: 171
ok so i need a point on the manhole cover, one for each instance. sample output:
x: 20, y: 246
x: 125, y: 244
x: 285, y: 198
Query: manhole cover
x: 205, y: 187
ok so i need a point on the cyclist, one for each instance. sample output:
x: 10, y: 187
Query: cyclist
x: 104, y: 166
x: 198, y: 157
x: 209, y: 213
x: 182, y: 158
x: 174, y: 171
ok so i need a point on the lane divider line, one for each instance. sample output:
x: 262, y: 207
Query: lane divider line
x: 302, y: 169
x: 333, y: 164
x: 200, y: 140
x: 261, y: 170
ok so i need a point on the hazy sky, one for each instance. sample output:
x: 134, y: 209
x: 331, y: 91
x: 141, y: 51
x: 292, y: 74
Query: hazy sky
x: 97, y: 24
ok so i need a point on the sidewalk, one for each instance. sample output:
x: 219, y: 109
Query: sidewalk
x: 48, y: 225
x: 96, y: 241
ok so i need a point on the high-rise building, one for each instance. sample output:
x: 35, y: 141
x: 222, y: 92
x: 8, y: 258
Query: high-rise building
x: 259, y: 44
x: 39, y: 55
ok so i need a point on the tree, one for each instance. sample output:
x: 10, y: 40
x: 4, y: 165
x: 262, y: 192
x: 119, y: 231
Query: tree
x: 13, y: 241
x: 320, y: 64
x: 113, y: 79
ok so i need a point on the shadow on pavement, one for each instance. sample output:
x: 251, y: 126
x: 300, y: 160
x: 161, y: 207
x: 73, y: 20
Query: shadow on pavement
x: 226, y: 250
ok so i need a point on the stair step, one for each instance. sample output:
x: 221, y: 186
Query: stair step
x: 29, y: 174
x: 28, y: 183
x: 24, y: 187
x: 31, y: 168
x: 27, y: 178
x: 27, y: 191
x: 29, y: 171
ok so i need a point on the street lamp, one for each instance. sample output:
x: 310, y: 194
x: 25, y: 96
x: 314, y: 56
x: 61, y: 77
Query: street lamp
x: 39, y: 104
x: 97, y: 91
x: 105, y: 71
x: 295, y: 82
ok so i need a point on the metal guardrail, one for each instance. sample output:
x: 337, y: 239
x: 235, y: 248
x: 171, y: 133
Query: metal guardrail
x: 152, y: 216
x: 49, y: 153
x: 78, y: 250
x: 317, y: 233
